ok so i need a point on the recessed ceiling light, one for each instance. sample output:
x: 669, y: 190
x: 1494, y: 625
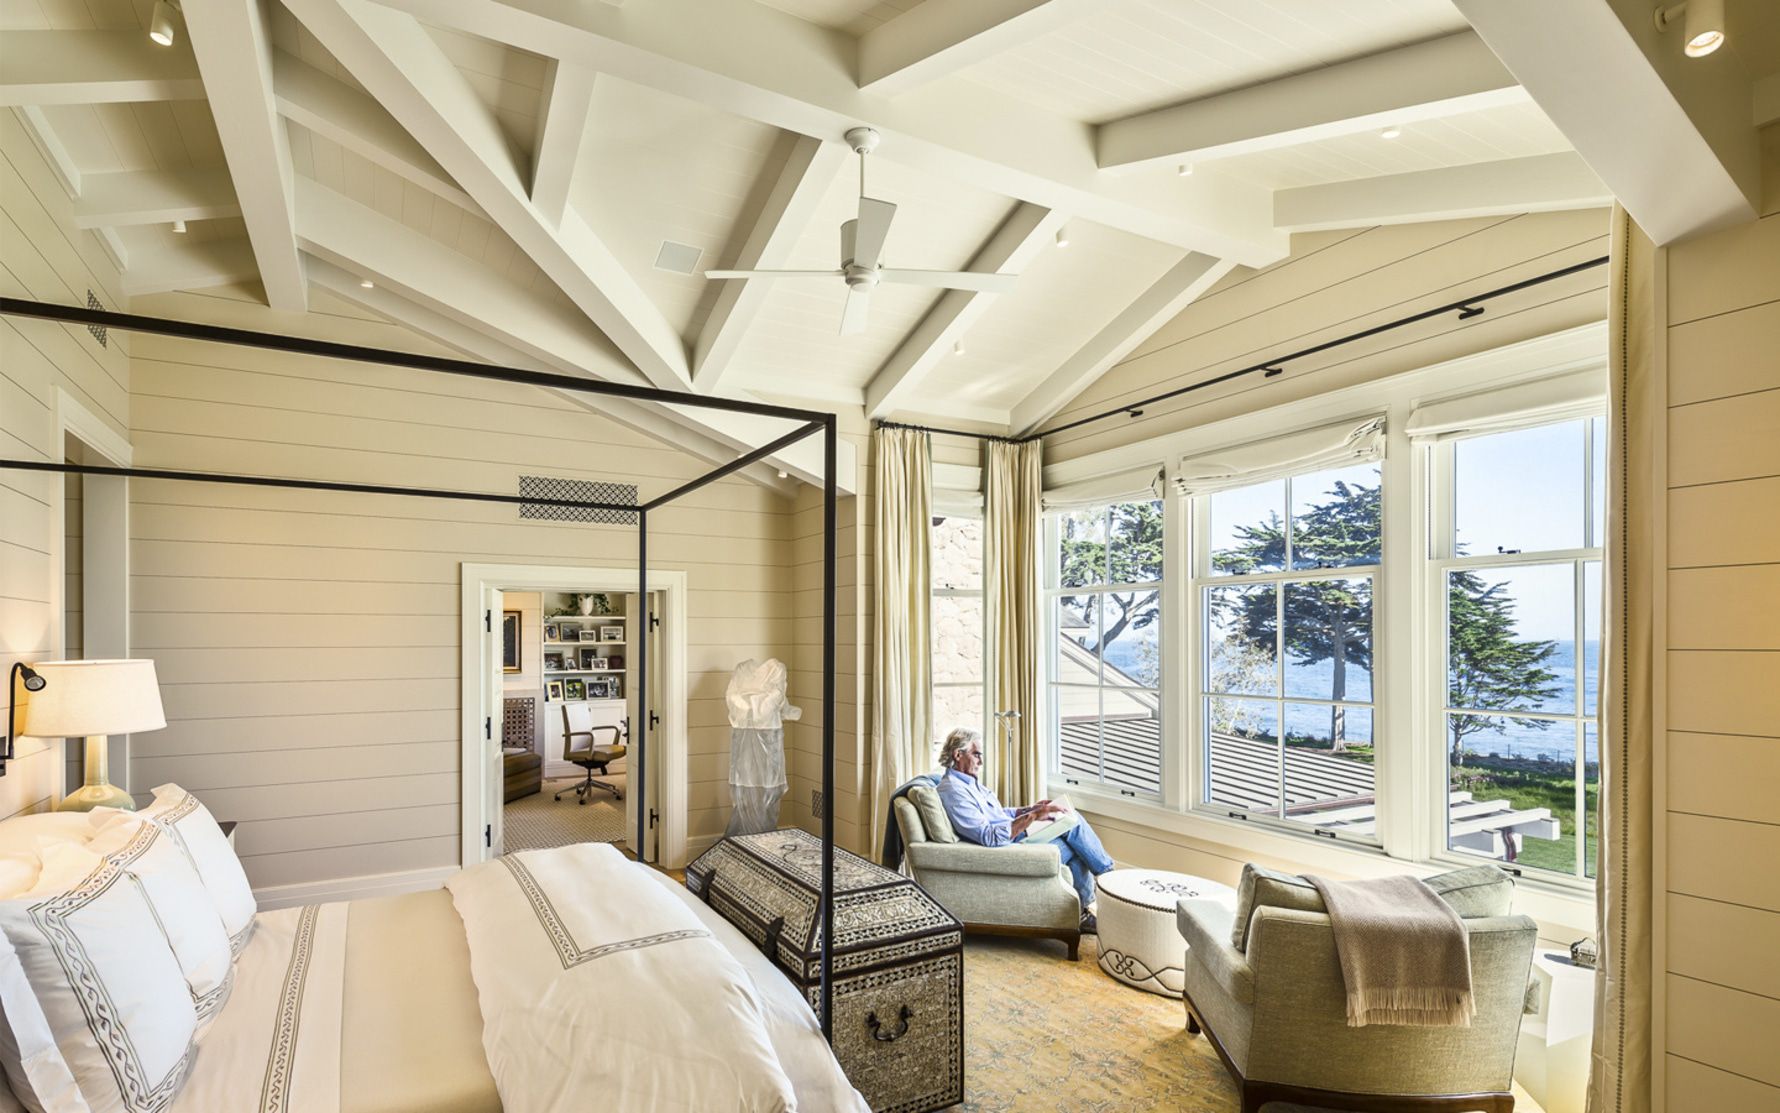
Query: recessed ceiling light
x: 1062, y: 237
x: 957, y: 347
x: 366, y: 284
x: 179, y: 227
x: 1390, y: 132
x: 160, y: 23
x: 1703, y: 28
x: 1186, y: 170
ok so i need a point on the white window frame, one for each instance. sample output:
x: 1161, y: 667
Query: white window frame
x: 978, y: 593
x: 1435, y: 460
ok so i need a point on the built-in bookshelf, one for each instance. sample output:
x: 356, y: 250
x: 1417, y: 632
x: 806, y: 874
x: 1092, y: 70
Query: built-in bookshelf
x: 585, y: 657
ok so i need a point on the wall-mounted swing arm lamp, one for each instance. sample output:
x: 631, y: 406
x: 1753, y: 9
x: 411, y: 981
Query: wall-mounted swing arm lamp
x: 33, y: 683
x: 1702, y: 24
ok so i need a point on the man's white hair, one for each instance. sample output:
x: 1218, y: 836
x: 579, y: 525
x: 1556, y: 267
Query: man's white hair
x: 956, y: 743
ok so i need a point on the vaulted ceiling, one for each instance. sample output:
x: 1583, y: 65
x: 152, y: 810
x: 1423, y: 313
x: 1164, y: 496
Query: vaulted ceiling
x: 546, y: 180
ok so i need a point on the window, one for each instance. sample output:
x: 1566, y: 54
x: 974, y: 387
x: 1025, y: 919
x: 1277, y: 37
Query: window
x: 1286, y: 572
x: 1518, y: 518
x: 957, y: 624
x: 1106, y: 658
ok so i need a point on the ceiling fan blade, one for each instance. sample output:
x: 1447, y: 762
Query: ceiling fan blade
x: 853, y: 316
x: 773, y: 274
x: 873, y: 228
x: 985, y: 282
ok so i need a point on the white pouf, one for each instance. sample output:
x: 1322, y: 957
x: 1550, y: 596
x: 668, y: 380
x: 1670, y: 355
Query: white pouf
x: 1139, y: 942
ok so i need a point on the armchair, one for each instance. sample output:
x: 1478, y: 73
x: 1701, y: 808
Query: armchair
x: 1276, y: 1015
x: 995, y: 890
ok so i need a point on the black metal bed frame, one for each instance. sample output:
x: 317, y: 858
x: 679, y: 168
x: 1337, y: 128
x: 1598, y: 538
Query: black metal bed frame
x: 810, y: 422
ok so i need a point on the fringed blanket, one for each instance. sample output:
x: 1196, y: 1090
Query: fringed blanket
x: 1405, y: 957
x: 601, y: 991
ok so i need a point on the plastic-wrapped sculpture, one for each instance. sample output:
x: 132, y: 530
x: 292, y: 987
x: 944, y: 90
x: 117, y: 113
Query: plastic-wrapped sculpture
x: 757, y: 713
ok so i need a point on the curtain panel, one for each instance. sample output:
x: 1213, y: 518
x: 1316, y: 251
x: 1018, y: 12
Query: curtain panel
x: 1620, y: 1067
x: 1013, y: 488
x: 902, y: 651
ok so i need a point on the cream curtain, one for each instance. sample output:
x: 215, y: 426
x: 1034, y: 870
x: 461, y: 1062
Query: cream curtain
x: 1620, y: 1072
x: 902, y: 664
x: 1013, y: 485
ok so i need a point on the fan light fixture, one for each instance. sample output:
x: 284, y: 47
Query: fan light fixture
x: 1702, y: 28
x: 1390, y: 132
x: 179, y: 227
x: 160, y: 24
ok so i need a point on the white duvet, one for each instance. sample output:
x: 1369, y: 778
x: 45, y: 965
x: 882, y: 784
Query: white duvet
x: 594, y: 985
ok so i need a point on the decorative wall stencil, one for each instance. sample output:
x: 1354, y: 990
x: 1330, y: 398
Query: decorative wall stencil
x: 99, y: 332
x: 519, y: 721
x: 548, y: 487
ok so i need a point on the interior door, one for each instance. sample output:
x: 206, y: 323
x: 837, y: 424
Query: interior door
x: 642, y: 636
x: 493, y: 712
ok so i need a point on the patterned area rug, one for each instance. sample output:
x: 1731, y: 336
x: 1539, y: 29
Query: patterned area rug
x: 1043, y: 1033
x: 537, y: 821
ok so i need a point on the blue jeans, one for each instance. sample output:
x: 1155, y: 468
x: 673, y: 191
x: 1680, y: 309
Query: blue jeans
x: 1085, y: 857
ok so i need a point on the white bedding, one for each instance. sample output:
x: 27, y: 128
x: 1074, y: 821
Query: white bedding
x: 596, y: 984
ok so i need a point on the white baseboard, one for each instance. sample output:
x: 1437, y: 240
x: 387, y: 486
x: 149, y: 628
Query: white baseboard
x: 352, y: 888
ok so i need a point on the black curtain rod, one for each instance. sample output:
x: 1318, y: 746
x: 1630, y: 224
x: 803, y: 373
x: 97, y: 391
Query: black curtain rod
x: 1466, y: 308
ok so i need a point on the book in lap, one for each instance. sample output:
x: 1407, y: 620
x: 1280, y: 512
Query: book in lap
x: 1055, y: 827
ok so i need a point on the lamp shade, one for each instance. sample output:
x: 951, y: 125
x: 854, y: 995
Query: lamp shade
x: 82, y: 698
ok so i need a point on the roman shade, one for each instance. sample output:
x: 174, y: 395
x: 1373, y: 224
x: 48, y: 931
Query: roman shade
x: 1140, y: 484
x: 1328, y: 446
x: 1578, y: 394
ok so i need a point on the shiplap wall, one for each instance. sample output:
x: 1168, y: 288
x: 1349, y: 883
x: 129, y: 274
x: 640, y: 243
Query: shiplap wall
x: 43, y: 256
x: 308, y: 642
x: 1723, y: 706
x: 1335, y: 283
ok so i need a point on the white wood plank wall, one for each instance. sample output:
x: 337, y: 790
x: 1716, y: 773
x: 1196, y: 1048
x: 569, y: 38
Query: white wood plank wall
x: 1723, y: 896
x: 43, y: 256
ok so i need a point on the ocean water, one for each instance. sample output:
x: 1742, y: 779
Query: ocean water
x: 1556, y: 741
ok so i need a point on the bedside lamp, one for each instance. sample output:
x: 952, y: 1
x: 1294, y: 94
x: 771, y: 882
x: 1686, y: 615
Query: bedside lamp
x: 95, y: 699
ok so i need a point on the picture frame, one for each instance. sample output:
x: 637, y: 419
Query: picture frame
x: 553, y: 690
x: 602, y: 687
x: 586, y: 658
x: 574, y: 689
x: 552, y: 632
x: 553, y: 662
x: 510, y: 653
x: 597, y: 664
x: 611, y: 633
x: 589, y: 634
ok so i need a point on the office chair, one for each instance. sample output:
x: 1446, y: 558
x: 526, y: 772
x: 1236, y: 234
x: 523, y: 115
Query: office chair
x: 578, y: 746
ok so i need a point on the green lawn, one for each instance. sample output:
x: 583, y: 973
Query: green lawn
x: 1531, y: 784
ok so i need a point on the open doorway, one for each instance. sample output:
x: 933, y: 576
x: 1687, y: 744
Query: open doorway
x: 553, y: 710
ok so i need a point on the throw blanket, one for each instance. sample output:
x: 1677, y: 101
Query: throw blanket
x: 600, y: 991
x: 891, y: 858
x: 1405, y: 957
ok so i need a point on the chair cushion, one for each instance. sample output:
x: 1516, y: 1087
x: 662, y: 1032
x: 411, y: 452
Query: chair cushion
x: 934, y: 820
x: 1472, y: 892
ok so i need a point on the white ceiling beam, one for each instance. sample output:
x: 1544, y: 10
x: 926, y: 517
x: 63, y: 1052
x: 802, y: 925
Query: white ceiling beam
x: 1027, y: 230
x: 189, y: 266
x: 1538, y: 184
x: 368, y: 245
x: 129, y: 197
x: 476, y: 342
x: 95, y: 67
x: 1767, y: 100
x: 234, y: 53
x: 50, y: 146
x: 937, y: 39
x: 1441, y: 77
x: 336, y: 111
x: 809, y: 169
x: 391, y: 54
x: 752, y: 61
x: 1670, y: 135
x: 1155, y: 307
x: 563, y: 108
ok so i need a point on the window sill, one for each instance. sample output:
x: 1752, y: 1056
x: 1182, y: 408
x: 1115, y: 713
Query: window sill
x: 1564, y: 913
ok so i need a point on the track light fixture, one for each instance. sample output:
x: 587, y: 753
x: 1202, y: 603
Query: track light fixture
x: 1062, y: 237
x: 1702, y: 26
x: 1390, y: 132
x: 179, y: 227
x: 160, y: 25
x: 1185, y: 170
x: 366, y: 284
x: 957, y: 347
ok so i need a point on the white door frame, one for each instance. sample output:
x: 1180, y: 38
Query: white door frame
x: 667, y: 763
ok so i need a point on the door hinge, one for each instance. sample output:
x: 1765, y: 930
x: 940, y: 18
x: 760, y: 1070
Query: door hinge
x: 488, y: 622
x: 652, y: 818
x: 654, y: 720
x: 654, y: 621
x: 488, y: 728
x: 488, y: 835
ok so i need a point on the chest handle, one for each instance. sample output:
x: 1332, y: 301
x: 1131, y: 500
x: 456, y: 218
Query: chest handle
x: 902, y: 1016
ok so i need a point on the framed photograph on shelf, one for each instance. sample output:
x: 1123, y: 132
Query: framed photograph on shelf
x: 509, y: 641
x: 574, y: 689
x: 552, y: 632
x: 553, y: 662
x: 597, y: 664
x: 589, y: 634
x: 553, y: 690
x: 611, y: 633
x: 602, y: 687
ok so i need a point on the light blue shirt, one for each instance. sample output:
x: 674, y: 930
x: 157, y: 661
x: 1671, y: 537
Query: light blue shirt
x: 975, y: 813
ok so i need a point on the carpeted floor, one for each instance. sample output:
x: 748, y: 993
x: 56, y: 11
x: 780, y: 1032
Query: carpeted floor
x: 537, y: 821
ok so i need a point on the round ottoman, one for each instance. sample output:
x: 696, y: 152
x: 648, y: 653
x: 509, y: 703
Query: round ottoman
x: 1139, y: 942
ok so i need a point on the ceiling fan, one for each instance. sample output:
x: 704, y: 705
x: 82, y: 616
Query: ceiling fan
x: 862, y: 245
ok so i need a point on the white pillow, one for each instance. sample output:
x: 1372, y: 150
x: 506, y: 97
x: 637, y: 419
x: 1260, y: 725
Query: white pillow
x: 21, y: 832
x: 197, y: 831
x: 92, y: 992
x: 154, y: 859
